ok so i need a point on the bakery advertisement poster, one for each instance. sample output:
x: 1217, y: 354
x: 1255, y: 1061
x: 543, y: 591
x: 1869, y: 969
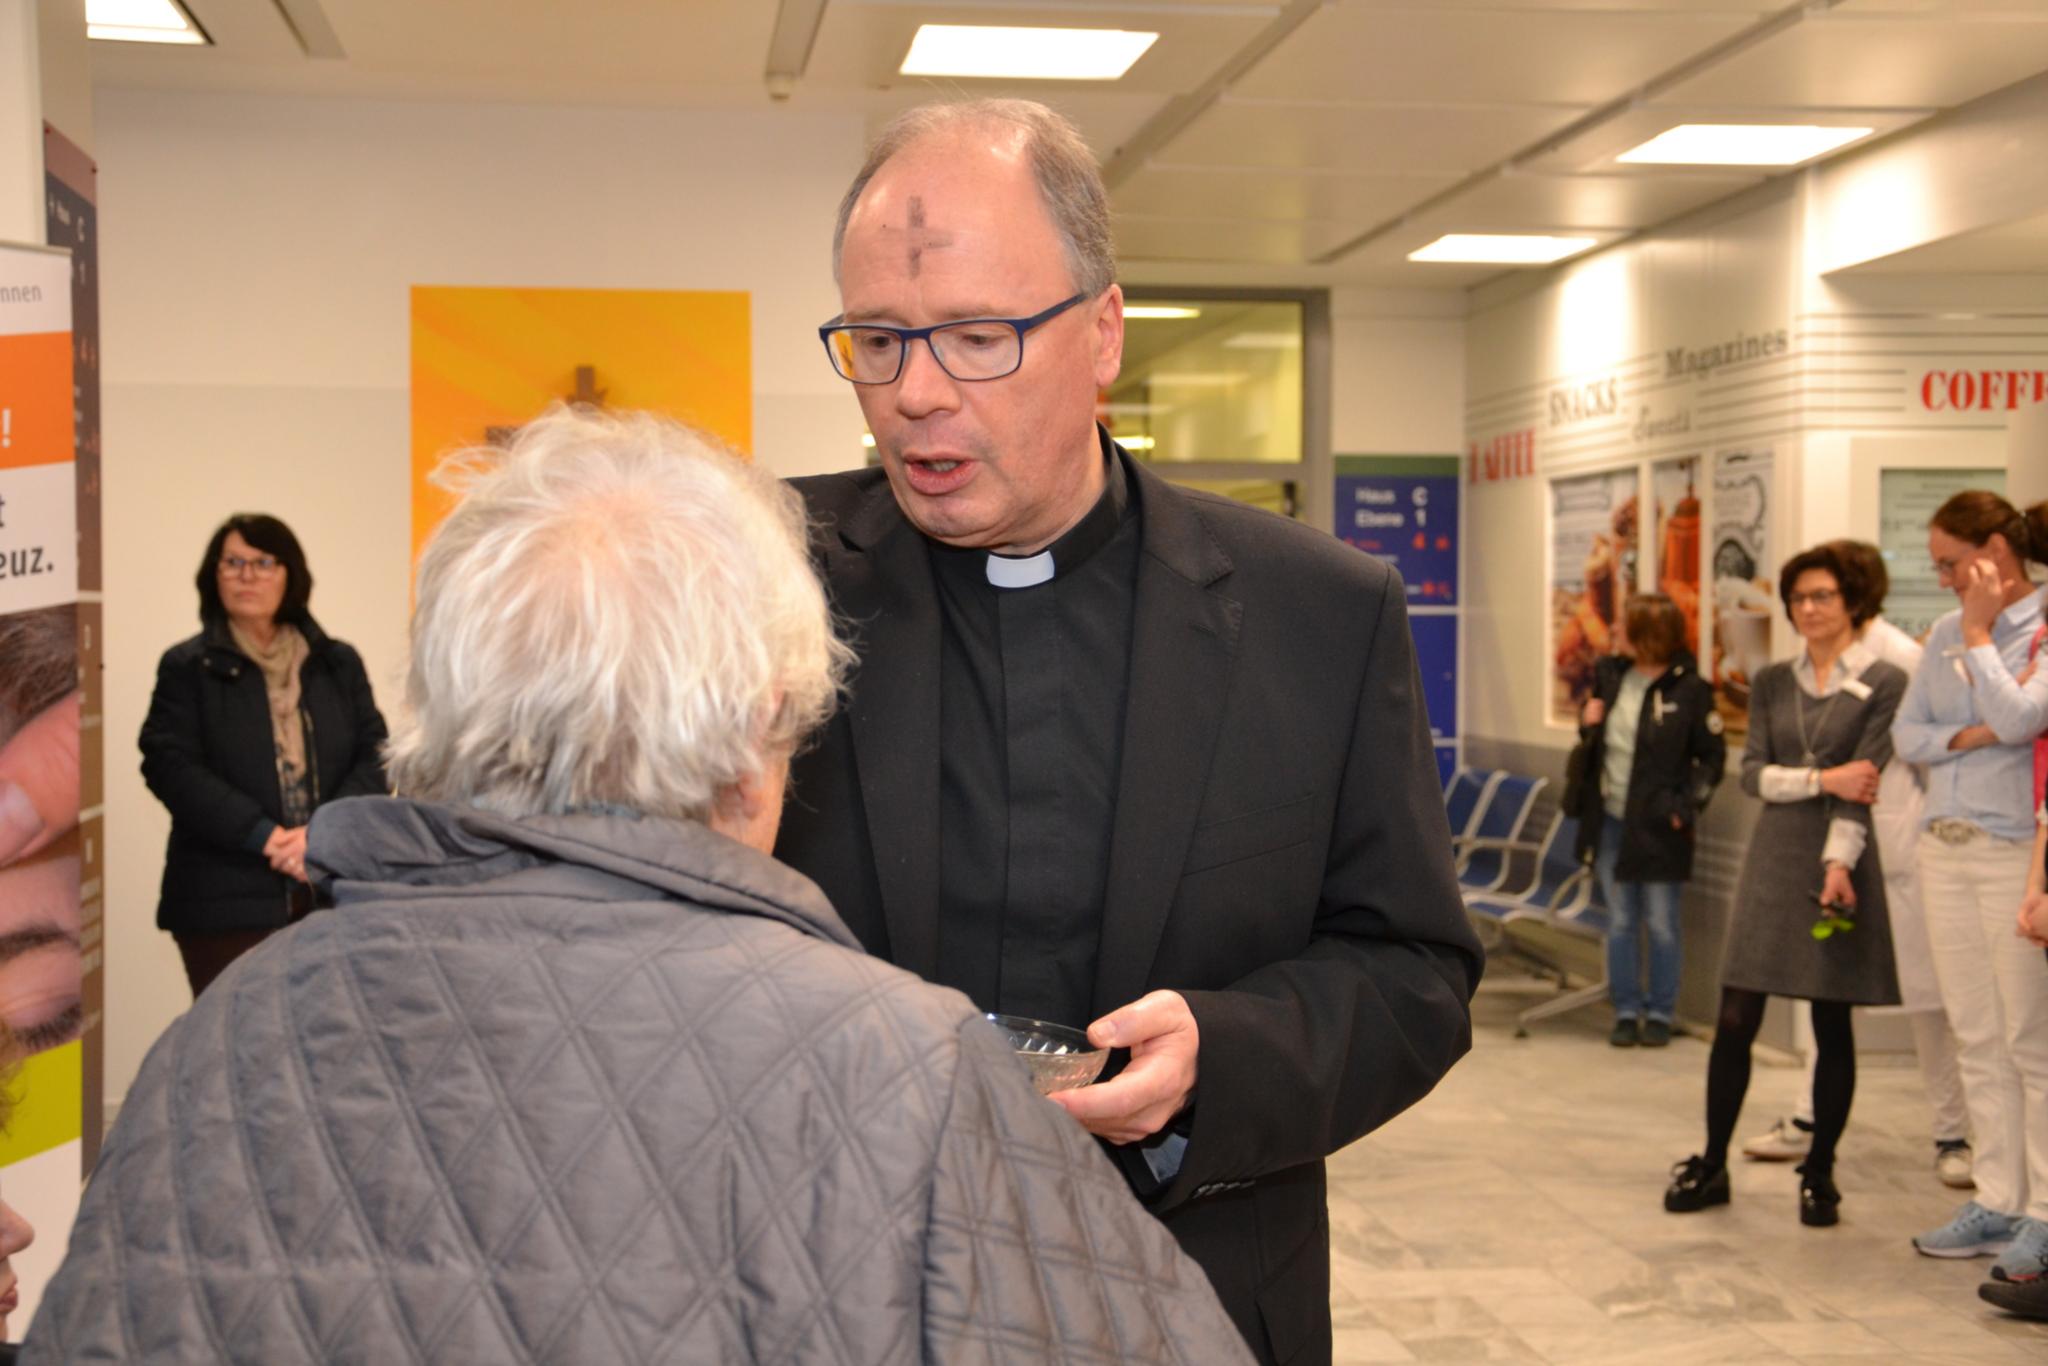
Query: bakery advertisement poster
x: 1742, y: 568
x: 1674, y: 546
x: 1592, y: 571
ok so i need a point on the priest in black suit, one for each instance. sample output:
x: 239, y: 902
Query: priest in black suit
x: 1118, y: 754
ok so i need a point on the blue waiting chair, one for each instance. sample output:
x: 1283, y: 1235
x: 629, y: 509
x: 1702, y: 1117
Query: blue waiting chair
x: 1466, y: 796
x: 1485, y: 854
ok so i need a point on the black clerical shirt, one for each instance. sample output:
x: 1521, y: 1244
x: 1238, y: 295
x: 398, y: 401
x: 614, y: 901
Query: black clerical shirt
x: 1031, y: 698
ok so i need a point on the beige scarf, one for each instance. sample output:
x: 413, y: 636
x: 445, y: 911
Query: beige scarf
x: 280, y: 664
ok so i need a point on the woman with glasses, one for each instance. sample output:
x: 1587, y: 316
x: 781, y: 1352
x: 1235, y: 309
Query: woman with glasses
x: 1809, y: 920
x: 1978, y: 700
x: 256, y: 721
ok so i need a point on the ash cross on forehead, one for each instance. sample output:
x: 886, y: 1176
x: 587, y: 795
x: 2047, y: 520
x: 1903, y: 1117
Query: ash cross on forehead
x: 919, y: 237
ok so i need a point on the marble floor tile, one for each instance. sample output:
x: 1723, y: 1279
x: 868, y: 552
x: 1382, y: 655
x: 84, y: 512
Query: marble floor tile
x: 1365, y: 1344
x: 1839, y: 1338
x: 1516, y: 1215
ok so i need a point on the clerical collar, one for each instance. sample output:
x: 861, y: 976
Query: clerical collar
x: 1077, y: 546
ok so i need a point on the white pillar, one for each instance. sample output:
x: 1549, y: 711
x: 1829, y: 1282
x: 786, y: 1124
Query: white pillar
x: 21, y: 124
x: 2026, y: 455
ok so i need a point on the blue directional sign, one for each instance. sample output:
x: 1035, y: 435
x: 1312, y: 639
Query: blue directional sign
x: 1404, y: 509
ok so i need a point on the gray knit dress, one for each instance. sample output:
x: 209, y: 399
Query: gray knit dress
x: 1770, y: 946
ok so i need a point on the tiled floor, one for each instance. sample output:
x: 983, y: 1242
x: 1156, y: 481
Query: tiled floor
x: 1515, y: 1215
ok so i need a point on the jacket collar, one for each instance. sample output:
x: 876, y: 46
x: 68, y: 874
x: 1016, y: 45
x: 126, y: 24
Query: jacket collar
x: 1183, y: 647
x: 219, y: 640
x: 391, y: 848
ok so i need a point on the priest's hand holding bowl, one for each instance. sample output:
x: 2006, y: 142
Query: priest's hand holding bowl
x: 1157, y: 1083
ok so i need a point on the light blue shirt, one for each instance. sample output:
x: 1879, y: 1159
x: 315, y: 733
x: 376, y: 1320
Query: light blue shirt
x: 1953, y: 688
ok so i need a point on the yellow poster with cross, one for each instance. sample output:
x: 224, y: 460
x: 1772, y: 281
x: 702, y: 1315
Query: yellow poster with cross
x: 485, y: 360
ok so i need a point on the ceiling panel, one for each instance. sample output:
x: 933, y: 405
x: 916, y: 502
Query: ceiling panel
x: 1107, y: 118
x: 1377, y: 140
x: 1524, y: 203
x: 1215, y: 239
x: 1846, y: 58
x: 2015, y: 249
x: 1751, y: 8
x: 1359, y: 52
x: 1193, y: 192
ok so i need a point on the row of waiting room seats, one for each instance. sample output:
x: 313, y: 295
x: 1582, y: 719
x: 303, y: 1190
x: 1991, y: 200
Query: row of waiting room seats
x: 1528, y: 894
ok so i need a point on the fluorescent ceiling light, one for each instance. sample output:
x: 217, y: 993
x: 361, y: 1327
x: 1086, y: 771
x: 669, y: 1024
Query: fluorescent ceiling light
x: 1197, y: 379
x: 1264, y: 341
x: 1136, y: 443
x: 1160, y: 311
x: 1044, y: 54
x: 140, y: 21
x: 1502, y: 249
x: 1740, y: 144
x: 867, y: 440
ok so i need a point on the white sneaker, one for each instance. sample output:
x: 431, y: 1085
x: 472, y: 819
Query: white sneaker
x: 1782, y: 1142
x: 1953, y: 1163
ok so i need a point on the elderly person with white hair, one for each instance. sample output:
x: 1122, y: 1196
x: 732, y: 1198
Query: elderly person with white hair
x: 576, y: 1071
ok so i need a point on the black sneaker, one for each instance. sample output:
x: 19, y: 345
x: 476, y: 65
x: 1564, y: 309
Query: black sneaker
x: 1625, y: 1033
x: 1819, y: 1201
x: 1656, y: 1033
x: 2028, y: 1299
x: 1695, y: 1186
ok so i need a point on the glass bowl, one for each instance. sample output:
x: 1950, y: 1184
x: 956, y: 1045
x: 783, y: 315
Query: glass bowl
x: 1058, y: 1057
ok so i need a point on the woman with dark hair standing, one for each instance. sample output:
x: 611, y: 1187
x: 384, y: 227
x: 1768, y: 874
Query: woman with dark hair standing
x: 256, y: 721
x: 1972, y: 721
x: 1809, y: 920
x: 1654, y: 753
x: 1895, y: 821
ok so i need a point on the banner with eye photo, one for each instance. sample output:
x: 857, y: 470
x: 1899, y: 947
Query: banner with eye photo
x: 42, y: 846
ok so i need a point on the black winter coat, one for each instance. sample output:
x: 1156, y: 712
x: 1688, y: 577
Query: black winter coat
x: 209, y: 755
x: 1679, y: 757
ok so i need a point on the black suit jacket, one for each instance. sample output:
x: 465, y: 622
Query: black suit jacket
x: 1280, y: 855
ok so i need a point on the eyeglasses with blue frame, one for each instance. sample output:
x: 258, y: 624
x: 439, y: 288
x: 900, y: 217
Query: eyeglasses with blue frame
x: 972, y: 350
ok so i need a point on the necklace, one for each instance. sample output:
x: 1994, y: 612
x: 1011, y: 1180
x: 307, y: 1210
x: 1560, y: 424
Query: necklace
x: 1807, y: 758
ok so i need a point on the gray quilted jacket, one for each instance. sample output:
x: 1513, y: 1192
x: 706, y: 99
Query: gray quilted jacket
x: 598, y: 1089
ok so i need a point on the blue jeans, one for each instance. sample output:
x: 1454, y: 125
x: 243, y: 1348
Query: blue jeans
x: 1631, y: 907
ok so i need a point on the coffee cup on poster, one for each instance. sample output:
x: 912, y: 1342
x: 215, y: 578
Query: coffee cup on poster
x: 1745, y: 625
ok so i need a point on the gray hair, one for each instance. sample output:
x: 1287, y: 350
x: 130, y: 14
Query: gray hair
x: 1069, y: 182
x: 620, y: 612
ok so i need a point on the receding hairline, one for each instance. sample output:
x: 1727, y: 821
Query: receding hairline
x: 1016, y: 162
x: 1063, y: 173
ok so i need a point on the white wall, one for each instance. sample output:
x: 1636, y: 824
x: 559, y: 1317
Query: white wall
x: 256, y: 258
x: 1397, y: 372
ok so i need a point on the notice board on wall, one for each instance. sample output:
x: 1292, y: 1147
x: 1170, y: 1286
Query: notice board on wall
x: 42, y: 857
x: 1404, y: 509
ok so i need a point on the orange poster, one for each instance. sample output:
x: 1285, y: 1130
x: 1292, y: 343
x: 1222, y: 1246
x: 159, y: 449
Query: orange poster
x: 485, y: 360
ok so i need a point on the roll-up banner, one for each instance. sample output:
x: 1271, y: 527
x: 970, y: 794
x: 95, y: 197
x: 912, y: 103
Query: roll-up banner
x: 42, y: 937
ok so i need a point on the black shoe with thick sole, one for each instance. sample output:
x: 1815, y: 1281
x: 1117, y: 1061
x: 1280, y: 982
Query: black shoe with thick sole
x: 2028, y: 1299
x: 1819, y: 1202
x: 1695, y: 1186
x: 1626, y: 1034
x: 1656, y: 1033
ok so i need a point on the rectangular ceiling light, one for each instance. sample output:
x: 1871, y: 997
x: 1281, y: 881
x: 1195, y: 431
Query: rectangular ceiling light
x: 1160, y: 311
x: 1502, y: 249
x: 141, y: 21
x: 1037, y: 54
x: 1741, y: 144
